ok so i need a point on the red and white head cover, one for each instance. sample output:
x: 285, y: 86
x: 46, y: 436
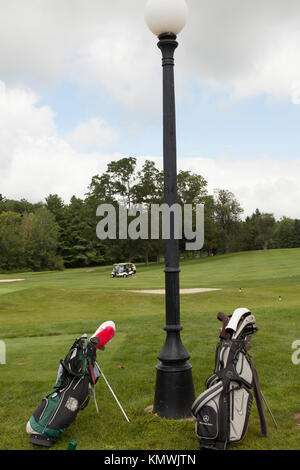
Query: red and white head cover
x: 104, y: 333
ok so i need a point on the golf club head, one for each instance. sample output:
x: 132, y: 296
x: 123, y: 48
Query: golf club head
x: 236, y: 317
x: 244, y: 326
x: 95, y: 341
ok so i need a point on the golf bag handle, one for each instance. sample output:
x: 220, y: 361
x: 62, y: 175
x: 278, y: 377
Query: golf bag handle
x: 224, y: 319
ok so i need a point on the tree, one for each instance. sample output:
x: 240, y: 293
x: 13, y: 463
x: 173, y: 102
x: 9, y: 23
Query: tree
x: 212, y: 233
x: 248, y: 234
x: 192, y: 188
x: 40, y: 239
x: 20, y: 207
x: 2, y: 203
x: 264, y: 225
x: 227, y: 214
x: 149, y: 188
x: 11, y: 252
x: 283, y: 233
x: 56, y: 206
x: 101, y: 189
x: 121, y: 175
x: 80, y: 245
x: 116, y: 183
x: 296, y: 234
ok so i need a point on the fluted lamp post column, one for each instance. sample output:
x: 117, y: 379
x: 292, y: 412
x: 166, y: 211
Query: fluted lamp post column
x: 174, y: 390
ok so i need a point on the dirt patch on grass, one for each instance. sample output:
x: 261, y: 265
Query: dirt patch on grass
x: 297, y: 419
x: 149, y: 409
x: 21, y: 362
x: 182, y: 291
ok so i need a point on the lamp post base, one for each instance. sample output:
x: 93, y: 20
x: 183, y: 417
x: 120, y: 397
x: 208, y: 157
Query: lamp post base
x: 174, y: 391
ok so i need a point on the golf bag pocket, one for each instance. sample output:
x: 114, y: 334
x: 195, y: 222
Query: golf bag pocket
x: 222, y: 416
x: 240, y: 406
x: 243, y: 369
x: 60, y: 407
x: 206, y: 410
x: 207, y: 421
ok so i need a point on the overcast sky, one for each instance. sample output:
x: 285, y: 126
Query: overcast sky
x: 80, y: 85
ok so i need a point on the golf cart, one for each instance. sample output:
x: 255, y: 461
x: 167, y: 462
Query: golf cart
x: 123, y: 270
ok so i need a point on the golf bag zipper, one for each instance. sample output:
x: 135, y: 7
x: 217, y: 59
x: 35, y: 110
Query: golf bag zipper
x: 81, y: 378
x: 58, y: 406
x: 45, y: 407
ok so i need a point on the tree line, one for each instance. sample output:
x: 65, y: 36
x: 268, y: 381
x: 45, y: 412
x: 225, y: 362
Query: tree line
x: 53, y: 234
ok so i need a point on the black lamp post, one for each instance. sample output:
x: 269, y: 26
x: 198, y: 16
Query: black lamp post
x: 174, y: 392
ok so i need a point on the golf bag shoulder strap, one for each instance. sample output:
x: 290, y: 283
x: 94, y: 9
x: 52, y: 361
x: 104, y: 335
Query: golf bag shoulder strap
x: 259, y: 400
x: 228, y: 354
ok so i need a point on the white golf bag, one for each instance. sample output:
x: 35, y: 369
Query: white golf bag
x: 222, y: 410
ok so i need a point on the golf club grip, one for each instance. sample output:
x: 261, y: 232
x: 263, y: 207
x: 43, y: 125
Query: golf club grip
x: 224, y: 319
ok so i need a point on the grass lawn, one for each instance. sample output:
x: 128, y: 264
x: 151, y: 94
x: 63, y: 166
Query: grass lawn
x: 41, y: 316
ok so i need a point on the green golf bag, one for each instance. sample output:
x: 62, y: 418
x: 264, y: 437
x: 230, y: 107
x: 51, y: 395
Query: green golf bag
x: 76, y: 379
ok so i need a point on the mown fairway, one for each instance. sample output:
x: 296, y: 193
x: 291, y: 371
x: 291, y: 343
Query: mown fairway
x: 41, y: 316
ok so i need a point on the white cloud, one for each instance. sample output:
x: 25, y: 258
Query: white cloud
x: 20, y: 121
x: 247, y: 47
x: 257, y: 182
x: 123, y: 64
x: 88, y: 42
x: 34, y: 160
x: 51, y: 166
x: 93, y: 133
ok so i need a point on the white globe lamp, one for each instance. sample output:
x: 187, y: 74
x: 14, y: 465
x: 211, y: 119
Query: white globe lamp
x: 166, y: 16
